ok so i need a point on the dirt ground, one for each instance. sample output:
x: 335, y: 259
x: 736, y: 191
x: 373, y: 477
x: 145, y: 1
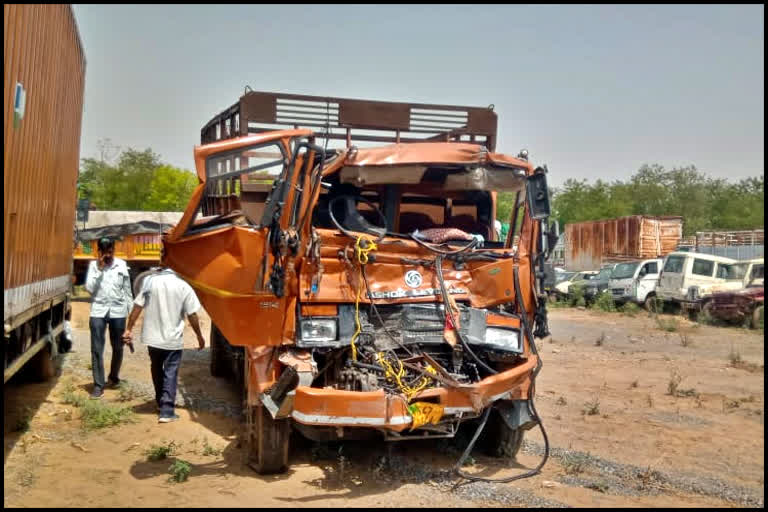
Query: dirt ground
x: 636, y: 417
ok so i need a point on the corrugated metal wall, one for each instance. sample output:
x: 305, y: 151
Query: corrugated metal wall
x: 590, y: 244
x: 737, y: 252
x: 42, y: 51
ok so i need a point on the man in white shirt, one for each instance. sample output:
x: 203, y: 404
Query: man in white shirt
x: 109, y: 284
x: 166, y: 300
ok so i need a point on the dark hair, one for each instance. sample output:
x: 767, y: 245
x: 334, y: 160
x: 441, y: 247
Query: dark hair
x: 106, y: 244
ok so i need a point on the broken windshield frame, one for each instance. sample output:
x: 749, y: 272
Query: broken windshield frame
x: 221, y: 168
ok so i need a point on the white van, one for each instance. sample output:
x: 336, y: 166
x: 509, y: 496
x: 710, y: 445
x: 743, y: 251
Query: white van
x: 689, y: 277
x: 635, y: 281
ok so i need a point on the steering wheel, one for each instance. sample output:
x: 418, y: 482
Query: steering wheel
x: 352, y: 220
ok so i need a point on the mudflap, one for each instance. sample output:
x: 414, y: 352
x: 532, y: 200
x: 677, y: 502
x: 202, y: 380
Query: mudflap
x: 515, y: 414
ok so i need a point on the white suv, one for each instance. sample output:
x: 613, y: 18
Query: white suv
x: 689, y: 277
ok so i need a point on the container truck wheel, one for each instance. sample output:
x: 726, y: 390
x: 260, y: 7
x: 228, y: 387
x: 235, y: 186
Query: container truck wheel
x: 267, y: 441
x: 43, y: 366
x: 498, y: 440
x: 219, y: 365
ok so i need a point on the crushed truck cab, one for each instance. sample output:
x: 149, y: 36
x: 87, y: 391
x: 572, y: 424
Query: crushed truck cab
x: 362, y: 292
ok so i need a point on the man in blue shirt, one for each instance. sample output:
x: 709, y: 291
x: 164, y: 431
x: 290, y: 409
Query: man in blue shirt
x: 109, y: 284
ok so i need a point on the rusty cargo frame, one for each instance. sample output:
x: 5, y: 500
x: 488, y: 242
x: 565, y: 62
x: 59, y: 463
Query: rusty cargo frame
x: 590, y: 244
x: 394, y: 121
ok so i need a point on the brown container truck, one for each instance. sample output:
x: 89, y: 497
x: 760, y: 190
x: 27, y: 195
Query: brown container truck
x: 591, y: 244
x: 44, y: 67
x: 361, y: 292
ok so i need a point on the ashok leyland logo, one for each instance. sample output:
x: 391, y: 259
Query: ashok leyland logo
x: 413, y: 278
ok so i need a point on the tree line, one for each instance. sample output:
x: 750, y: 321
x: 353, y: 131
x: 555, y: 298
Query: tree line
x: 705, y: 203
x: 133, y: 180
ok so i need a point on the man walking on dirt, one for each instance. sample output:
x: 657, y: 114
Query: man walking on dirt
x: 109, y: 284
x: 166, y: 300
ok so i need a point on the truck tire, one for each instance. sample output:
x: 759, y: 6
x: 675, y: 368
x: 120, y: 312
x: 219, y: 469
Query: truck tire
x: 267, y: 441
x: 498, y: 440
x: 220, y: 366
x: 42, y: 366
x: 757, y: 315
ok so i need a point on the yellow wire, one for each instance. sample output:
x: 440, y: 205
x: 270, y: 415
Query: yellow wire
x: 362, y: 259
x: 391, y: 374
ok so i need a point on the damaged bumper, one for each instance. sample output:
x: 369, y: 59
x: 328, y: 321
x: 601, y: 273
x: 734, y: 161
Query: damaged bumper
x: 337, y: 408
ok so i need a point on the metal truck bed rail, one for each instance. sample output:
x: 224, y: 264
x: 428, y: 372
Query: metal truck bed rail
x: 353, y: 120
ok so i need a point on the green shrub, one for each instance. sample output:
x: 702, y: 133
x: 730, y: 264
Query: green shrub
x: 97, y: 414
x: 576, y: 295
x: 161, y: 451
x: 604, y: 302
x: 179, y: 470
x: 630, y: 309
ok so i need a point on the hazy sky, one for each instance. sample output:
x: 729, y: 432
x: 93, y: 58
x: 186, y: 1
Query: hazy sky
x: 594, y: 91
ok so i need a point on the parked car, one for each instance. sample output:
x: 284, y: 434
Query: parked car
x: 635, y: 281
x: 599, y: 283
x: 738, y: 306
x: 753, y: 271
x: 690, y: 278
x: 562, y: 288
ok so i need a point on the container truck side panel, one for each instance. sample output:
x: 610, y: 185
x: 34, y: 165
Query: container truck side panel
x: 42, y: 52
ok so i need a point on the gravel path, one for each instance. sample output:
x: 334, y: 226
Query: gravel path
x: 77, y: 362
x: 629, y: 480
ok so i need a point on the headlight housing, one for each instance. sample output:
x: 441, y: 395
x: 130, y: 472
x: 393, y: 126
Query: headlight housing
x: 318, y: 329
x: 503, y: 339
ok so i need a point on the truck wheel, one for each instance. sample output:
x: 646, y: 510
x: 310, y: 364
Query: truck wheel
x: 43, y: 366
x: 757, y: 317
x: 219, y: 363
x: 498, y: 440
x: 650, y: 304
x: 267, y: 441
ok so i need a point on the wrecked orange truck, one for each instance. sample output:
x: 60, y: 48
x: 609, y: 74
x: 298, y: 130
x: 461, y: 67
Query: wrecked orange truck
x: 361, y: 292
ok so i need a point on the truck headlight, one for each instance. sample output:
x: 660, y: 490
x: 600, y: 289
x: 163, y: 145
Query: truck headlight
x: 504, y: 339
x: 318, y: 329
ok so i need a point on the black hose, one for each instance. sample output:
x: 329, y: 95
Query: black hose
x: 531, y: 407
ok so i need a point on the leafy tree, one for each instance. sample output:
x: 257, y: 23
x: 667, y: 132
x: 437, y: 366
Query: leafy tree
x: 170, y: 189
x: 137, y: 180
